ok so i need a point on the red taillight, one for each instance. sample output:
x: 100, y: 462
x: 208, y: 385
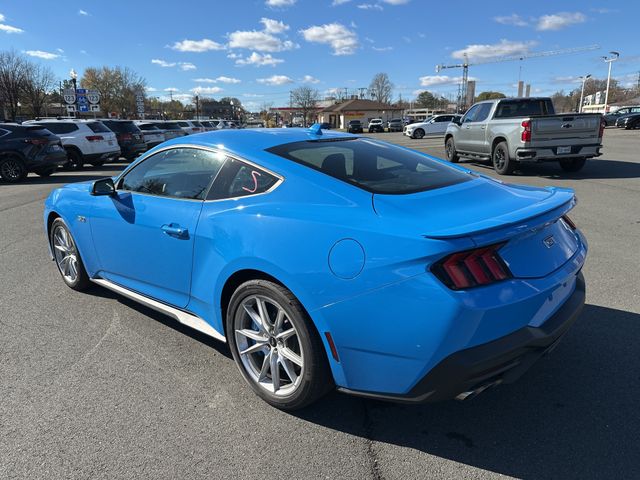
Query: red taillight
x: 125, y: 136
x: 602, y: 125
x: 195, y: 129
x: 37, y: 141
x: 472, y: 268
x: 526, y: 132
x: 569, y: 222
x: 94, y: 138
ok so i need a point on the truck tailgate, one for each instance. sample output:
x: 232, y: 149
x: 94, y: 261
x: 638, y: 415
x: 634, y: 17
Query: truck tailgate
x: 559, y: 129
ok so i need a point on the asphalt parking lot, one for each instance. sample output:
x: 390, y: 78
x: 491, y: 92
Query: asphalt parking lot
x: 95, y: 386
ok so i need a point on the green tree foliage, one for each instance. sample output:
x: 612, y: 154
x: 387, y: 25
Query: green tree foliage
x: 427, y: 99
x: 489, y: 96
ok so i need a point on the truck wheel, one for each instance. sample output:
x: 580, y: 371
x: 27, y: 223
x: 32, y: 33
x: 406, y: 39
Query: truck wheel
x: 502, y: 164
x: 450, y: 149
x: 418, y: 133
x: 572, y: 164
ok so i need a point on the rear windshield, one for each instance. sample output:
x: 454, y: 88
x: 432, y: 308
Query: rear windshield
x: 206, y: 124
x: 98, y: 127
x: 122, y: 127
x: 523, y: 108
x: 197, y: 124
x: 371, y: 165
x: 147, y: 127
x: 169, y: 126
x: 183, y: 124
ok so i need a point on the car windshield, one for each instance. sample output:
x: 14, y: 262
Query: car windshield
x: 374, y: 166
x: 169, y: 126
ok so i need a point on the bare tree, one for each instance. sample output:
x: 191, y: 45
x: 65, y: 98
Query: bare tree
x: 305, y: 99
x: 39, y: 82
x: 381, y: 88
x: 117, y: 86
x: 13, y: 72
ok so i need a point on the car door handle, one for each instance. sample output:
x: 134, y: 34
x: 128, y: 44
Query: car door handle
x: 175, y: 230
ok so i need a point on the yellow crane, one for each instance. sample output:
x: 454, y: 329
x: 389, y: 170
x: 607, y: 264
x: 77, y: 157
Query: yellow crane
x: 462, y: 100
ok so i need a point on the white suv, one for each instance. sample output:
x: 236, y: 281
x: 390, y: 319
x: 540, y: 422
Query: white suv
x: 86, y: 141
x: 375, y: 125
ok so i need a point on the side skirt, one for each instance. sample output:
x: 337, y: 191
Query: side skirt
x: 186, y: 318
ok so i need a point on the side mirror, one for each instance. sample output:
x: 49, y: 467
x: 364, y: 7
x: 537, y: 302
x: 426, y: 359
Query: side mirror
x: 104, y: 186
x: 457, y: 120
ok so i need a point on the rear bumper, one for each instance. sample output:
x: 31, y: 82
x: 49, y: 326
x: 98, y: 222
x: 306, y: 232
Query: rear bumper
x: 133, y: 150
x: 500, y: 361
x: 47, y: 160
x: 102, y: 157
x: 551, y: 154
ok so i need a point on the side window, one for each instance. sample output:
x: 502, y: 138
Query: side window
x: 177, y: 173
x: 56, y: 128
x: 483, y: 112
x: 470, y: 115
x: 239, y: 179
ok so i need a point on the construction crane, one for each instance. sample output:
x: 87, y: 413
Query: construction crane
x: 462, y: 101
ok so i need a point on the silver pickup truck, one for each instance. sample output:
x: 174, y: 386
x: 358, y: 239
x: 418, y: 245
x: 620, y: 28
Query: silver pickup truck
x: 509, y: 131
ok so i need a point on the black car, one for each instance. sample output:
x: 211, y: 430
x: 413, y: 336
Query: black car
x: 611, y: 118
x: 130, y: 137
x: 629, y: 122
x: 355, y: 126
x: 25, y: 149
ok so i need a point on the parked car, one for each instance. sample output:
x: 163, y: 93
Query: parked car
x: 257, y: 124
x: 130, y: 137
x: 153, y: 136
x: 395, y: 125
x: 189, y: 127
x: 416, y: 280
x: 170, y: 129
x: 28, y: 148
x: 375, y: 125
x: 509, y: 131
x: 208, y: 125
x: 86, y: 141
x: 611, y: 118
x: 629, y: 122
x: 434, y: 126
x: 354, y: 126
x: 325, y: 126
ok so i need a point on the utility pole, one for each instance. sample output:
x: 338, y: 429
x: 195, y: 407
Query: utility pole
x: 614, y: 56
x: 584, y: 79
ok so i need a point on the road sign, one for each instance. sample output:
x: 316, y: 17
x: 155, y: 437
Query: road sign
x: 81, y: 100
x: 93, y: 96
x: 69, y: 95
x: 95, y: 108
x: 71, y: 108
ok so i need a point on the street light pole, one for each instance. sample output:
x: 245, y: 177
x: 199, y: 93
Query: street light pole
x: 614, y: 56
x: 584, y: 79
x: 74, y: 80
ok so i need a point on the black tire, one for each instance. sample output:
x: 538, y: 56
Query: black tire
x: 450, y: 150
x: 314, y: 377
x: 81, y: 281
x: 75, y: 159
x: 502, y: 163
x: 45, y: 172
x: 418, y: 133
x: 98, y: 164
x: 572, y: 164
x: 13, y: 169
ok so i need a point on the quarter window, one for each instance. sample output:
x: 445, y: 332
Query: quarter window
x: 239, y: 179
x: 178, y: 173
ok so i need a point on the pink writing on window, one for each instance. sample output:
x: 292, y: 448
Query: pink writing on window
x: 255, y: 176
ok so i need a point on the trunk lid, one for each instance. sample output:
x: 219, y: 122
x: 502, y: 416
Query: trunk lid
x: 526, y: 219
x: 579, y: 129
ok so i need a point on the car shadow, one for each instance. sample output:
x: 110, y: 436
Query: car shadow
x: 595, y: 168
x: 574, y: 415
x: 218, y: 346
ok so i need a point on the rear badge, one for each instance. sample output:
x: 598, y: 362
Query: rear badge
x: 549, y: 241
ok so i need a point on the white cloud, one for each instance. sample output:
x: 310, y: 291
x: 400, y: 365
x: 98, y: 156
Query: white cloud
x: 224, y: 79
x: 42, y: 54
x: 513, y: 19
x: 342, y: 40
x: 275, y: 80
x: 59, y: 50
x: 310, y: 79
x: 198, y: 46
x: 9, y: 28
x: 280, y: 3
x: 560, y: 20
x: 171, y: 89
x: 433, y: 80
x: 273, y: 26
x: 370, y: 6
x: 84, y: 13
x: 259, y: 60
x: 396, y: 2
x: 252, y: 95
x: 151, y: 89
x: 233, y: 55
x: 163, y: 63
x: 260, y: 41
x: 2, y: 17
x: 382, y: 49
x: 199, y: 90
x: 487, y: 51
x: 339, y: 2
x: 186, y: 66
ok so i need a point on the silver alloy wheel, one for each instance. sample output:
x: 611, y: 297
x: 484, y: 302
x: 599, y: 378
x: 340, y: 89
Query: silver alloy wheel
x: 11, y: 169
x: 65, y: 253
x: 268, y: 345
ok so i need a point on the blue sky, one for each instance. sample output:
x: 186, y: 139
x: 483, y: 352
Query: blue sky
x: 257, y: 50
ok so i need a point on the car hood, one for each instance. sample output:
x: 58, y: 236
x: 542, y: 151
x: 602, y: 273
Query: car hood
x: 471, y: 207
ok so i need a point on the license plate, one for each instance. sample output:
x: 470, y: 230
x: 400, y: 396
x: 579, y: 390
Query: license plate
x: 111, y: 142
x: 562, y: 150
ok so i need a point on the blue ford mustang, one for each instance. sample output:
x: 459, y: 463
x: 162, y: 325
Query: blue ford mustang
x: 332, y: 260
